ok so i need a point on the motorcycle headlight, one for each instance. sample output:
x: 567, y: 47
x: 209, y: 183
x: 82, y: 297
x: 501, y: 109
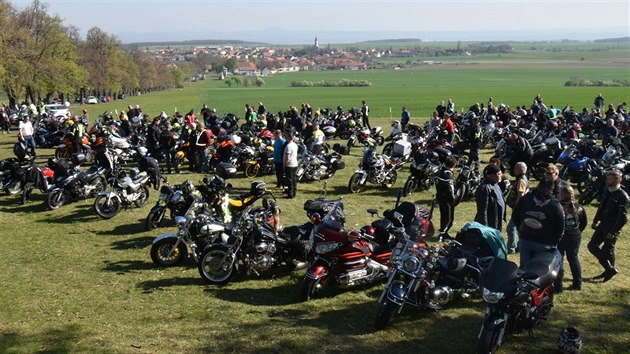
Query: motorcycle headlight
x: 492, y: 297
x: 411, y: 264
x: 594, y: 178
x: 180, y: 220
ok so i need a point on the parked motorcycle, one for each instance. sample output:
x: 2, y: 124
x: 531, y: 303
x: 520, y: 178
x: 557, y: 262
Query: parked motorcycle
x: 468, y: 180
x: 68, y: 148
x: 124, y: 191
x: 74, y: 184
x: 176, y: 199
x: 12, y: 173
x: 362, y: 134
x: 518, y: 299
x: 253, y: 244
x: 374, y: 168
x: 195, y: 230
x: 425, y: 166
x: 261, y: 164
x: 314, y: 167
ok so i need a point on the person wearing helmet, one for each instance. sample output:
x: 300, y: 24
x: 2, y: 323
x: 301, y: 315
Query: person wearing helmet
x: 404, y: 118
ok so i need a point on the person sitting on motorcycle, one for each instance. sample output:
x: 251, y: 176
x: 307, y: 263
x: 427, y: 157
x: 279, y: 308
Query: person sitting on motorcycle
x: 609, y: 132
x: 574, y: 131
x: 539, y: 217
x: 319, y: 139
x: 519, y: 149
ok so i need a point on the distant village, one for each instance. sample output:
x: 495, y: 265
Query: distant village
x: 265, y: 61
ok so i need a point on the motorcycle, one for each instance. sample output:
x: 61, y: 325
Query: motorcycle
x: 544, y: 154
x: 375, y: 168
x: 425, y: 166
x: 429, y: 277
x: 177, y: 199
x: 518, y: 300
x: 468, y: 180
x: 195, y: 230
x: 67, y: 149
x: 261, y: 164
x: 251, y: 243
x: 75, y: 184
x: 362, y: 134
x: 12, y: 173
x: 314, y: 167
x: 124, y: 190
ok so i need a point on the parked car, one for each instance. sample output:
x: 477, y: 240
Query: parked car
x: 55, y: 110
x: 91, y: 100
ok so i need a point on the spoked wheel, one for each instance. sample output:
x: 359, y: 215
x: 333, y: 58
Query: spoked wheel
x: 410, y: 186
x: 106, y: 209
x: 311, y: 288
x: 164, y: 254
x: 355, y: 185
x: 55, y: 199
x: 144, y: 197
x: 252, y: 171
x: 216, y: 266
x: 385, y: 314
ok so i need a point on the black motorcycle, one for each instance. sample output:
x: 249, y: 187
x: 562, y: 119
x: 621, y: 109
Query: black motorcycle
x: 425, y: 166
x: 468, y: 180
x: 375, y: 168
x: 74, y: 184
x: 260, y: 164
x: 177, y: 199
x: 251, y: 244
x: 12, y: 173
x: 518, y: 299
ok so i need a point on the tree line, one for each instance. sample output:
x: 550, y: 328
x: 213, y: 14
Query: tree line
x: 41, y: 58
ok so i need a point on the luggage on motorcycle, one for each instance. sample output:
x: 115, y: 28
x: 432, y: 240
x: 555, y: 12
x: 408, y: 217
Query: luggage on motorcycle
x: 442, y: 153
x: 341, y: 149
x: 339, y: 164
x: 77, y: 158
x: 226, y: 170
x: 319, y: 205
x: 402, y: 148
x: 553, y: 143
x: 482, y: 241
x: 19, y: 149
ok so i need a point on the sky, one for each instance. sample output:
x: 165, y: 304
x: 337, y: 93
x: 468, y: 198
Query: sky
x: 284, y: 21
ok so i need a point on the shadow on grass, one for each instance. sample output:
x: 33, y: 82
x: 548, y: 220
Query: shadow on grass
x: 150, y: 286
x: 264, y: 296
x: 134, y: 243
x: 54, y: 340
x: 82, y: 212
x: 125, y: 229
x: 122, y: 267
x: 13, y: 203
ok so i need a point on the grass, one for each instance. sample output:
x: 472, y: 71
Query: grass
x: 75, y: 283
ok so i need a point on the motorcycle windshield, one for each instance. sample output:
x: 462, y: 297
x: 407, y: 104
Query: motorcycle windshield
x: 565, y: 156
x: 500, y: 276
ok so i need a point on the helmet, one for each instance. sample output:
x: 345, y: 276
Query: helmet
x: 351, y: 123
x: 188, y: 187
x: 570, y: 341
x: 395, y: 123
x: 258, y: 188
x: 512, y: 123
x: 216, y: 183
x: 133, y: 173
x: 369, y: 230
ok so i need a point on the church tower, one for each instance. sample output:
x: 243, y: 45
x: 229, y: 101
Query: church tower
x: 316, y: 43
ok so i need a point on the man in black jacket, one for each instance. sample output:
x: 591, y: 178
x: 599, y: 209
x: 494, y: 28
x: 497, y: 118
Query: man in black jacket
x: 445, y: 195
x: 490, y: 203
x: 610, y: 218
x: 153, y: 136
x: 540, y: 221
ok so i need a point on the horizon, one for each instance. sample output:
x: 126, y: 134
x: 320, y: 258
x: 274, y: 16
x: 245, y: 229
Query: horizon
x: 283, y: 22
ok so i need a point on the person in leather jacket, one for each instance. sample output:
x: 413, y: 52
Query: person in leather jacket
x: 489, y: 197
x: 610, y: 218
x: 445, y: 195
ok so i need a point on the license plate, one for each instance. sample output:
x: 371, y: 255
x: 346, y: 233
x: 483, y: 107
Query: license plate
x: 357, y: 274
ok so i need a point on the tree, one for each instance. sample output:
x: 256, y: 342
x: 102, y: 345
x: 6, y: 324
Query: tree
x: 228, y: 82
x: 237, y: 80
x: 230, y: 64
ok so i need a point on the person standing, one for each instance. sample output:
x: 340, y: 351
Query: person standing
x: 404, y: 118
x: 26, y: 134
x: 599, y: 102
x: 489, y: 198
x: 278, y: 153
x: 4, y: 119
x: 445, y: 195
x: 153, y: 136
x: 518, y: 189
x: 609, y: 132
x: 448, y: 125
x: 558, y: 183
x: 167, y: 145
x: 610, y: 218
x: 450, y: 106
x: 204, y: 140
x: 575, y: 222
x: 365, y: 112
x: 540, y: 221
x: 78, y: 130
x: 290, y: 165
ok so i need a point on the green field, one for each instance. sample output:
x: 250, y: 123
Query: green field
x: 75, y: 283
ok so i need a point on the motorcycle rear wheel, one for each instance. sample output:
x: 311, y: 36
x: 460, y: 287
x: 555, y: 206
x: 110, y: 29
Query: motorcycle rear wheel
x: 311, y: 288
x: 212, y: 269
x: 587, y: 197
x: 460, y: 193
x: 104, y: 209
x: 62, y: 154
x: 160, y: 253
x: 488, y: 337
x: 385, y: 314
x: 410, y: 186
x: 14, y: 189
x: 144, y: 197
x: 252, y: 171
x: 55, y: 199
x: 388, y: 149
x: 355, y: 185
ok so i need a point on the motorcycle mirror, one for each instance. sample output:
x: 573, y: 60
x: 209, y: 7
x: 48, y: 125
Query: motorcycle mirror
x: 315, y: 218
x: 373, y: 212
x: 179, y: 220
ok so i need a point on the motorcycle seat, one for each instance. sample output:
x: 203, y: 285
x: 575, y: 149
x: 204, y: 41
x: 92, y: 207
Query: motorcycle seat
x: 378, y: 248
x: 543, y: 268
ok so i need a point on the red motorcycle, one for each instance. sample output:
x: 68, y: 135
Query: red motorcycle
x: 348, y: 258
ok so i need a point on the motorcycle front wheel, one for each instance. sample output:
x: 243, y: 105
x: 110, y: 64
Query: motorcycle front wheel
x: 388, y: 149
x: 380, y: 140
x: 385, y: 314
x: 355, y: 185
x: 164, y: 255
x: 489, y: 337
x: 62, y: 153
x: 252, y: 171
x: 14, y: 189
x: 144, y: 197
x: 153, y: 220
x: 55, y: 199
x: 216, y: 266
x: 311, y: 288
x: 105, y: 209
x: 410, y: 186
x: 460, y: 193
x: 392, y: 180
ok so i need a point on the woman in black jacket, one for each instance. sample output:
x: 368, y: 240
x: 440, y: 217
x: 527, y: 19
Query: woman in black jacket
x: 575, y: 222
x: 445, y: 195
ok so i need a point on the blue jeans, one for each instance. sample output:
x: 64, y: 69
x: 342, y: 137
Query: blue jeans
x: 512, y: 234
x: 570, y: 245
x: 529, y: 249
x: 29, y: 140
